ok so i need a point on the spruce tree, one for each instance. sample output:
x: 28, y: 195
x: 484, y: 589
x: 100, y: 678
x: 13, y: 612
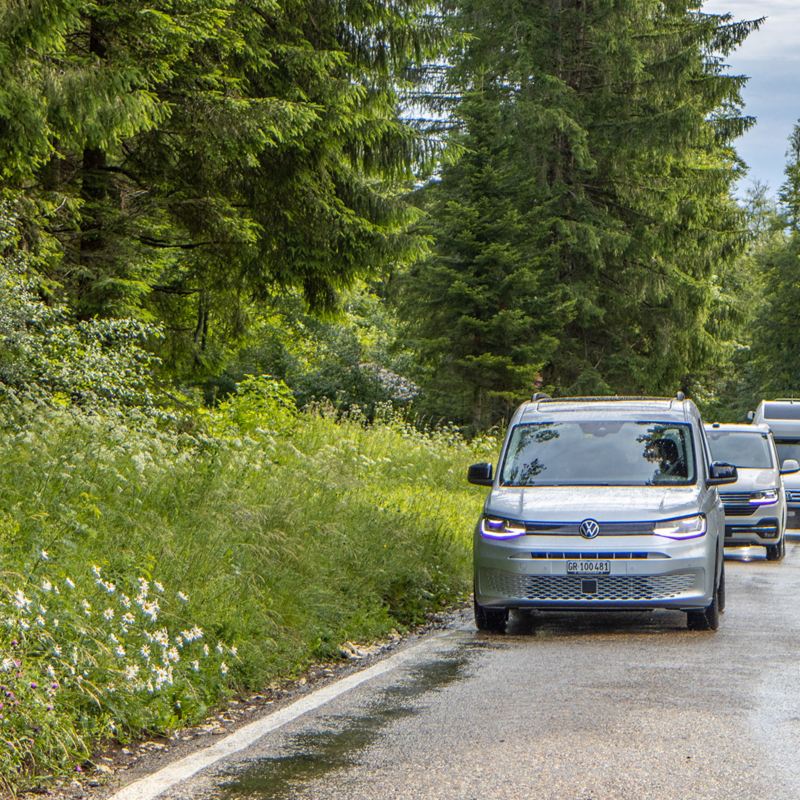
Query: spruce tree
x: 193, y: 156
x: 775, y: 362
x: 617, y: 121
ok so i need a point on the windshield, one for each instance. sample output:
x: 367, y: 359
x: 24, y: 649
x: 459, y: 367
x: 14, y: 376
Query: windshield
x: 608, y: 453
x: 789, y: 448
x: 742, y: 449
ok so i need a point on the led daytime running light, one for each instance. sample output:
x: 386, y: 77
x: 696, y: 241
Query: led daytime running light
x: 498, y: 528
x: 684, y: 528
x: 766, y: 498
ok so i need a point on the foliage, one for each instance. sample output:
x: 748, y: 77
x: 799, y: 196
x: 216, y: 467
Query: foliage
x: 285, y: 542
x: 192, y: 158
x: 44, y: 352
x: 85, y: 659
x: 582, y: 231
x: 774, y: 367
x: 351, y: 358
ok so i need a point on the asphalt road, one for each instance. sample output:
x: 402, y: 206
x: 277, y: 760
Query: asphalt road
x: 569, y: 707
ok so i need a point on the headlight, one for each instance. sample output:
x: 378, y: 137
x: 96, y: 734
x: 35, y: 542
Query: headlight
x: 685, y: 528
x: 765, y: 498
x: 498, y: 528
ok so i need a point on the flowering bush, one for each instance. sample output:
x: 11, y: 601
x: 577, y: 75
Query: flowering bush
x: 45, y: 353
x: 285, y: 533
x: 95, y: 658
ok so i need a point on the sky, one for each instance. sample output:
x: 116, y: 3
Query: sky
x: 771, y: 57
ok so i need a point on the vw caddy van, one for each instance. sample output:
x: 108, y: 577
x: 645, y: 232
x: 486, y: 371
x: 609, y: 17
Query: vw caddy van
x: 602, y: 503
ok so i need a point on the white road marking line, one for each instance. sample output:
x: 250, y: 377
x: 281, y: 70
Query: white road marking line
x: 159, y: 782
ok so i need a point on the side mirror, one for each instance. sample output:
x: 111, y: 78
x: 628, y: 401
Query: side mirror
x: 720, y: 473
x: 751, y: 415
x: 481, y: 474
x: 790, y: 466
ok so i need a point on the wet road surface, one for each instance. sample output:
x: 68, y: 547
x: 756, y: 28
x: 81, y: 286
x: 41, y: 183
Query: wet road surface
x: 561, y: 707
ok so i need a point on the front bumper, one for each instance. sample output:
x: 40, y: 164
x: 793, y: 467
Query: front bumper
x: 763, y: 531
x: 646, y: 572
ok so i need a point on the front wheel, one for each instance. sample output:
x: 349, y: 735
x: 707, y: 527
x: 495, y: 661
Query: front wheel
x: 492, y: 620
x: 776, y: 552
x: 708, y: 618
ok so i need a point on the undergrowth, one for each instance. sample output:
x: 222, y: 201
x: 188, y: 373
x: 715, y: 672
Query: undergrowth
x: 144, y: 573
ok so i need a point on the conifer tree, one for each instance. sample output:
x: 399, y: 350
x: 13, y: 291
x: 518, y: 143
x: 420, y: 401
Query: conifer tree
x: 616, y: 121
x: 775, y: 362
x: 191, y: 156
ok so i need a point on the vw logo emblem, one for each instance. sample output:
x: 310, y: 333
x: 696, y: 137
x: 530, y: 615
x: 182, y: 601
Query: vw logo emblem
x: 589, y: 528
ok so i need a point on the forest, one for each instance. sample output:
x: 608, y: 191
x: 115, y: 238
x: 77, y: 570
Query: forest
x: 279, y: 269
x: 436, y: 206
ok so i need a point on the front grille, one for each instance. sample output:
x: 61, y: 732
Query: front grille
x: 735, y: 498
x: 793, y: 497
x: 739, y: 511
x: 576, y: 556
x: 570, y: 587
x: 606, y: 528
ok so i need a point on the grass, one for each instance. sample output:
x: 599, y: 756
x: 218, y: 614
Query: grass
x: 233, y: 557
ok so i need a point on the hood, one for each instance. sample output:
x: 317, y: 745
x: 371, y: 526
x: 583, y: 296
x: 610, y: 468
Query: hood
x: 602, y: 503
x: 753, y: 480
x: 792, y: 481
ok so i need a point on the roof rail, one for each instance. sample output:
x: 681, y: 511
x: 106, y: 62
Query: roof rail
x: 540, y: 396
x: 600, y: 398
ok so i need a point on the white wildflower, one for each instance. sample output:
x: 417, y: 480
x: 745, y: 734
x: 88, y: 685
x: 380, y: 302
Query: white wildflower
x: 184, y: 598
x: 195, y: 666
x: 69, y: 583
x: 40, y: 621
x: 158, y: 587
x: 46, y: 585
x: 119, y: 651
x: 223, y: 668
x: 44, y: 555
x: 145, y: 652
x: 131, y: 671
x: 20, y: 601
x: 108, y: 614
x: 95, y: 570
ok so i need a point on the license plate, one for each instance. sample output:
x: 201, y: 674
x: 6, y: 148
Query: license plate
x: 586, y: 567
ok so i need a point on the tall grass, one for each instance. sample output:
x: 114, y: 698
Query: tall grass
x: 232, y: 557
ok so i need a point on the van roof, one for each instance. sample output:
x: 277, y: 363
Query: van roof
x: 738, y: 427
x: 612, y: 407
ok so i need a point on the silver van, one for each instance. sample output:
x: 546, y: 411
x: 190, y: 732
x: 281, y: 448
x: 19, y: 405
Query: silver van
x: 755, y: 506
x: 602, y: 503
x: 783, y: 419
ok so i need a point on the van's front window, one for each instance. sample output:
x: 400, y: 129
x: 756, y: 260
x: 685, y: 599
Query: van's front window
x: 743, y: 449
x: 604, y: 453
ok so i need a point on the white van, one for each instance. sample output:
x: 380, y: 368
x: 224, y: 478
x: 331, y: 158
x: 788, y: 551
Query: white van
x: 783, y: 419
x: 602, y: 502
x: 755, y: 506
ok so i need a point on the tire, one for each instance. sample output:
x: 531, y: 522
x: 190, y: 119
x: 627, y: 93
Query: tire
x: 708, y: 618
x: 776, y: 552
x: 492, y: 620
x: 721, y: 590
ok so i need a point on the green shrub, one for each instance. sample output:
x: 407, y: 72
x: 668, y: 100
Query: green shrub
x: 290, y: 534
